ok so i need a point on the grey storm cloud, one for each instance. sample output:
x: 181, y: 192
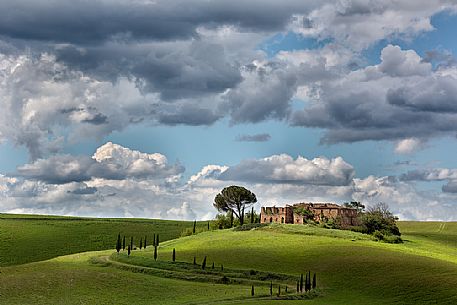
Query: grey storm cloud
x: 187, y: 115
x: 402, y: 97
x: 83, y: 22
x: 260, y: 137
x: 111, y: 161
x: 436, y: 174
x: 194, y: 62
x: 450, y: 187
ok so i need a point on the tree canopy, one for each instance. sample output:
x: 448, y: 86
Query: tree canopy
x: 235, y: 199
x: 379, y: 218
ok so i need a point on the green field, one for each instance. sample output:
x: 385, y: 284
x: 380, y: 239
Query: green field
x: 351, y: 269
x: 31, y: 238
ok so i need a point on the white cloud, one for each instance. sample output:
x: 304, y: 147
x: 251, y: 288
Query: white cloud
x: 401, y: 98
x: 408, y: 146
x: 405, y: 200
x: 42, y: 100
x: 360, y: 23
x: 184, y: 212
x: 154, y: 198
x: 397, y: 62
x: 110, y: 161
x: 285, y: 169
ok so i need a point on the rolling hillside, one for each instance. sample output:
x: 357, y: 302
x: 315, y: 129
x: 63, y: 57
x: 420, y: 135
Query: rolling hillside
x: 351, y: 269
x: 30, y: 238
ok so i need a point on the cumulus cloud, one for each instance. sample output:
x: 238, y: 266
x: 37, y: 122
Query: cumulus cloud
x: 408, y: 146
x: 158, y: 62
x: 404, y: 199
x: 43, y: 101
x: 183, y: 212
x: 358, y: 24
x: 110, y: 161
x: 437, y: 174
x: 118, y: 181
x: 394, y: 100
x: 285, y: 169
x: 276, y: 180
x: 260, y: 137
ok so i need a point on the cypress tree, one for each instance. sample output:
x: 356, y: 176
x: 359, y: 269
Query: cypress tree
x: 154, y: 240
x: 157, y: 241
x: 314, y: 281
x: 208, y: 225
x: 252, y: 215
x: 118, y: 243
x: 279, y: 289
x: 174, y: 255
x: 204, y: 263
x: 141, y: 243
x: 286, y: 288
x: 195, y: 260
x: 309, y: 280
x: 195, y: 225
x: 298, y: 286
x: 271, y: 288
x: 123, y: 244
x: 212, y: 267
x: 128, y: 250
x: 144, y: 244
x: 306, y: 283
x: 301, y: 282
x: 222, y: 267
x: 155, y: 253
x: 131, y: 243
x: 252, y: 290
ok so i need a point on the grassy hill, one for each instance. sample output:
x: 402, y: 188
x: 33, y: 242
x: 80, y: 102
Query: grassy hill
x: 351, y: 269
x: 30, y: 238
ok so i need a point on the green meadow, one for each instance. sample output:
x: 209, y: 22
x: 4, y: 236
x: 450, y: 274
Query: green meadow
x: 31, y: 238
x: 351, y: 268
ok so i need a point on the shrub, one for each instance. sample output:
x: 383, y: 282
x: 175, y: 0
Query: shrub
x: 250, y: 226
x: 223, y: 221
x: 378, y: 235
x: 331, y: 223
x: 224, y: 280
x: 393, y: 239
x: 387, y: 237
x: 304, y: 212
x: 379, y: 218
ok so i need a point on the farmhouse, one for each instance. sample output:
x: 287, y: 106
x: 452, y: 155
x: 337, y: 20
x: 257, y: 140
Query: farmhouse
x: 299, y: 213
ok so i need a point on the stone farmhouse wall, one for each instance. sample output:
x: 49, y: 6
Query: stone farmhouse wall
x: 277, y: 215
x: 321, y: 211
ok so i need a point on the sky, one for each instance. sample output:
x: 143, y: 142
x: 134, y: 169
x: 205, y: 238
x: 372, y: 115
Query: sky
x: 149, y: 108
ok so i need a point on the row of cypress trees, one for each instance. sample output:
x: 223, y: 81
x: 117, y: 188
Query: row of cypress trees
x: 120, y: 244
x: 303, y: 283
x: 308, y: 284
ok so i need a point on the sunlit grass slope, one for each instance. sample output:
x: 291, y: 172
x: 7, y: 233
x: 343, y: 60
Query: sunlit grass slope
x: 29, y: 238
x: 351, y: 269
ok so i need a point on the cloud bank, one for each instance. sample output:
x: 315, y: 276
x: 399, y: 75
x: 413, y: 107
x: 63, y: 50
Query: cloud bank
x: 119, y: 182
x: 196, y: 62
